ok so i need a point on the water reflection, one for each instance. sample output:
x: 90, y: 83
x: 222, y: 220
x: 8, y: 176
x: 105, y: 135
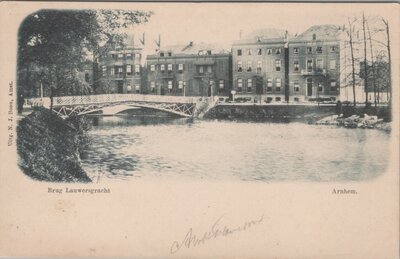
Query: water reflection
x: 128, y: 147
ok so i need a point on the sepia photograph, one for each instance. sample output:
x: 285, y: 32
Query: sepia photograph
x: 101, y: 97
x: 191, y: 129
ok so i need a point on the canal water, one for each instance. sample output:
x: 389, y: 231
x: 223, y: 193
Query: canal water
x: 130, y: 147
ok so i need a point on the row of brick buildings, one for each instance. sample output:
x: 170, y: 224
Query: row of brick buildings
x: 268, y: 65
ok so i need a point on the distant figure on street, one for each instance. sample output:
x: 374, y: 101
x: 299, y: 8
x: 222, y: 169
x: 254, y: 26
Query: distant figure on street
x: 339, y: 109
x: 20, y: 103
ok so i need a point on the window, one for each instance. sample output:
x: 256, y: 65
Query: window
x: 180, y: 67
x: 320, y: 64
x: 249, y: 52
x: 153, y: 86
x: 239, y: 66
x: 259, y: 66
x: 120, y: 70
x: 309, y: 50
x: 278, y: 51
x: 296, y: 66
x: 209, y: 52
x: 169, y: 54
x: 278, y: 65
x: 333, y: 85
x: 277, y: 99
x: 249, y: 66
x: 269, y: 51
x: 295, y: 50
x: 180, y: 84
x: 161, y: 54
x: 137, y: 88
x: 239, y: 52
x: 309, y: 65
x: 314, y: 36
x: 104, y: 70
x: 296, y: 86
x: 169, y: 86
x: 128, y: 69
x: 209, y: 69
x: 332, y: 64
x: 162, y: 68
x: 221, y: 84
x: 259, y: 51
x: 87, y: 77
x: 239, y: 85
x: 129, y: 55
x: 113, y: 70
x: 333, y: 48
x: 120, y: 55
x: 152, y: 68
x: 296, y: 99
x: 319, y: 87
x: 319, y: 49
x: 249, y: 85
x: 169, y: 67
x: 278, y: 84
x: 309, y: 86
x: 138, y: 55
x: 269, y: 84
x: 137, y: 69
x: 129, y: 88
x: 201, y: 69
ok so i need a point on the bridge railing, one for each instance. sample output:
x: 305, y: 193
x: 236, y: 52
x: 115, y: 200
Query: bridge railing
x: 108, y: 98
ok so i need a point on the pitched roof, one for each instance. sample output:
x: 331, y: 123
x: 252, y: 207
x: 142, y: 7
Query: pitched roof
x: 195, y: 48
x: 264, y: 35
x: 322, y: 32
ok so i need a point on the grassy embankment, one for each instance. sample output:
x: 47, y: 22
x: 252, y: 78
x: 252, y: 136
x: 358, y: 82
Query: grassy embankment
x: 50, y: 148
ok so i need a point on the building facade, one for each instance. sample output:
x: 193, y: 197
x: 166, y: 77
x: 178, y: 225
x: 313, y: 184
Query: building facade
x: 259, y: 66
x: 314, y: 64
x: 189, y: 70
x: 272, y: 66
x: 120, y: 70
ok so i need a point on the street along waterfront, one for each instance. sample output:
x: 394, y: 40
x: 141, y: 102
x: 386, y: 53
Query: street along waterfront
x: 127, y: 148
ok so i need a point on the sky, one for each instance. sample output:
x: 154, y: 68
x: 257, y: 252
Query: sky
x: 222, y: 23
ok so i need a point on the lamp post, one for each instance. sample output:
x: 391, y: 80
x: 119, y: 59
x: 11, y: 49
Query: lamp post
x: 233, y: 92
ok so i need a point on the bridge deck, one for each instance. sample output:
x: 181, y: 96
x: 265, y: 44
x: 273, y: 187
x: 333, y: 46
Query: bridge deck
x: 108, y: 98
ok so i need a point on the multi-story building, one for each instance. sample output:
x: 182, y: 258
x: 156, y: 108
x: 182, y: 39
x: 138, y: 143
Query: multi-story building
x: 314, y: 64
x: 120, y: 70
x: 274, y: 66
x: 259, y: 65
x: 189, y: 70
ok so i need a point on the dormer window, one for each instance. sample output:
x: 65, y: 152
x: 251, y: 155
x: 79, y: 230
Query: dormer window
x: 209, y: 52
x: 295, y: 50
x: 314, y: 36
x: 169, y: 54
x: 278, y: 51
x: 161, y: 54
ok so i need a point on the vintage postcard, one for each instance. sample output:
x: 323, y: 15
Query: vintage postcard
x: 199, y: 130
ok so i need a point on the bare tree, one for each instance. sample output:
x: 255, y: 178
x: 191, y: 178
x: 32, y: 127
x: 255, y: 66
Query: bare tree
x: 350, y: 34
x: 390, y: 60
x: 365, y: 62
x: 372, y: 63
